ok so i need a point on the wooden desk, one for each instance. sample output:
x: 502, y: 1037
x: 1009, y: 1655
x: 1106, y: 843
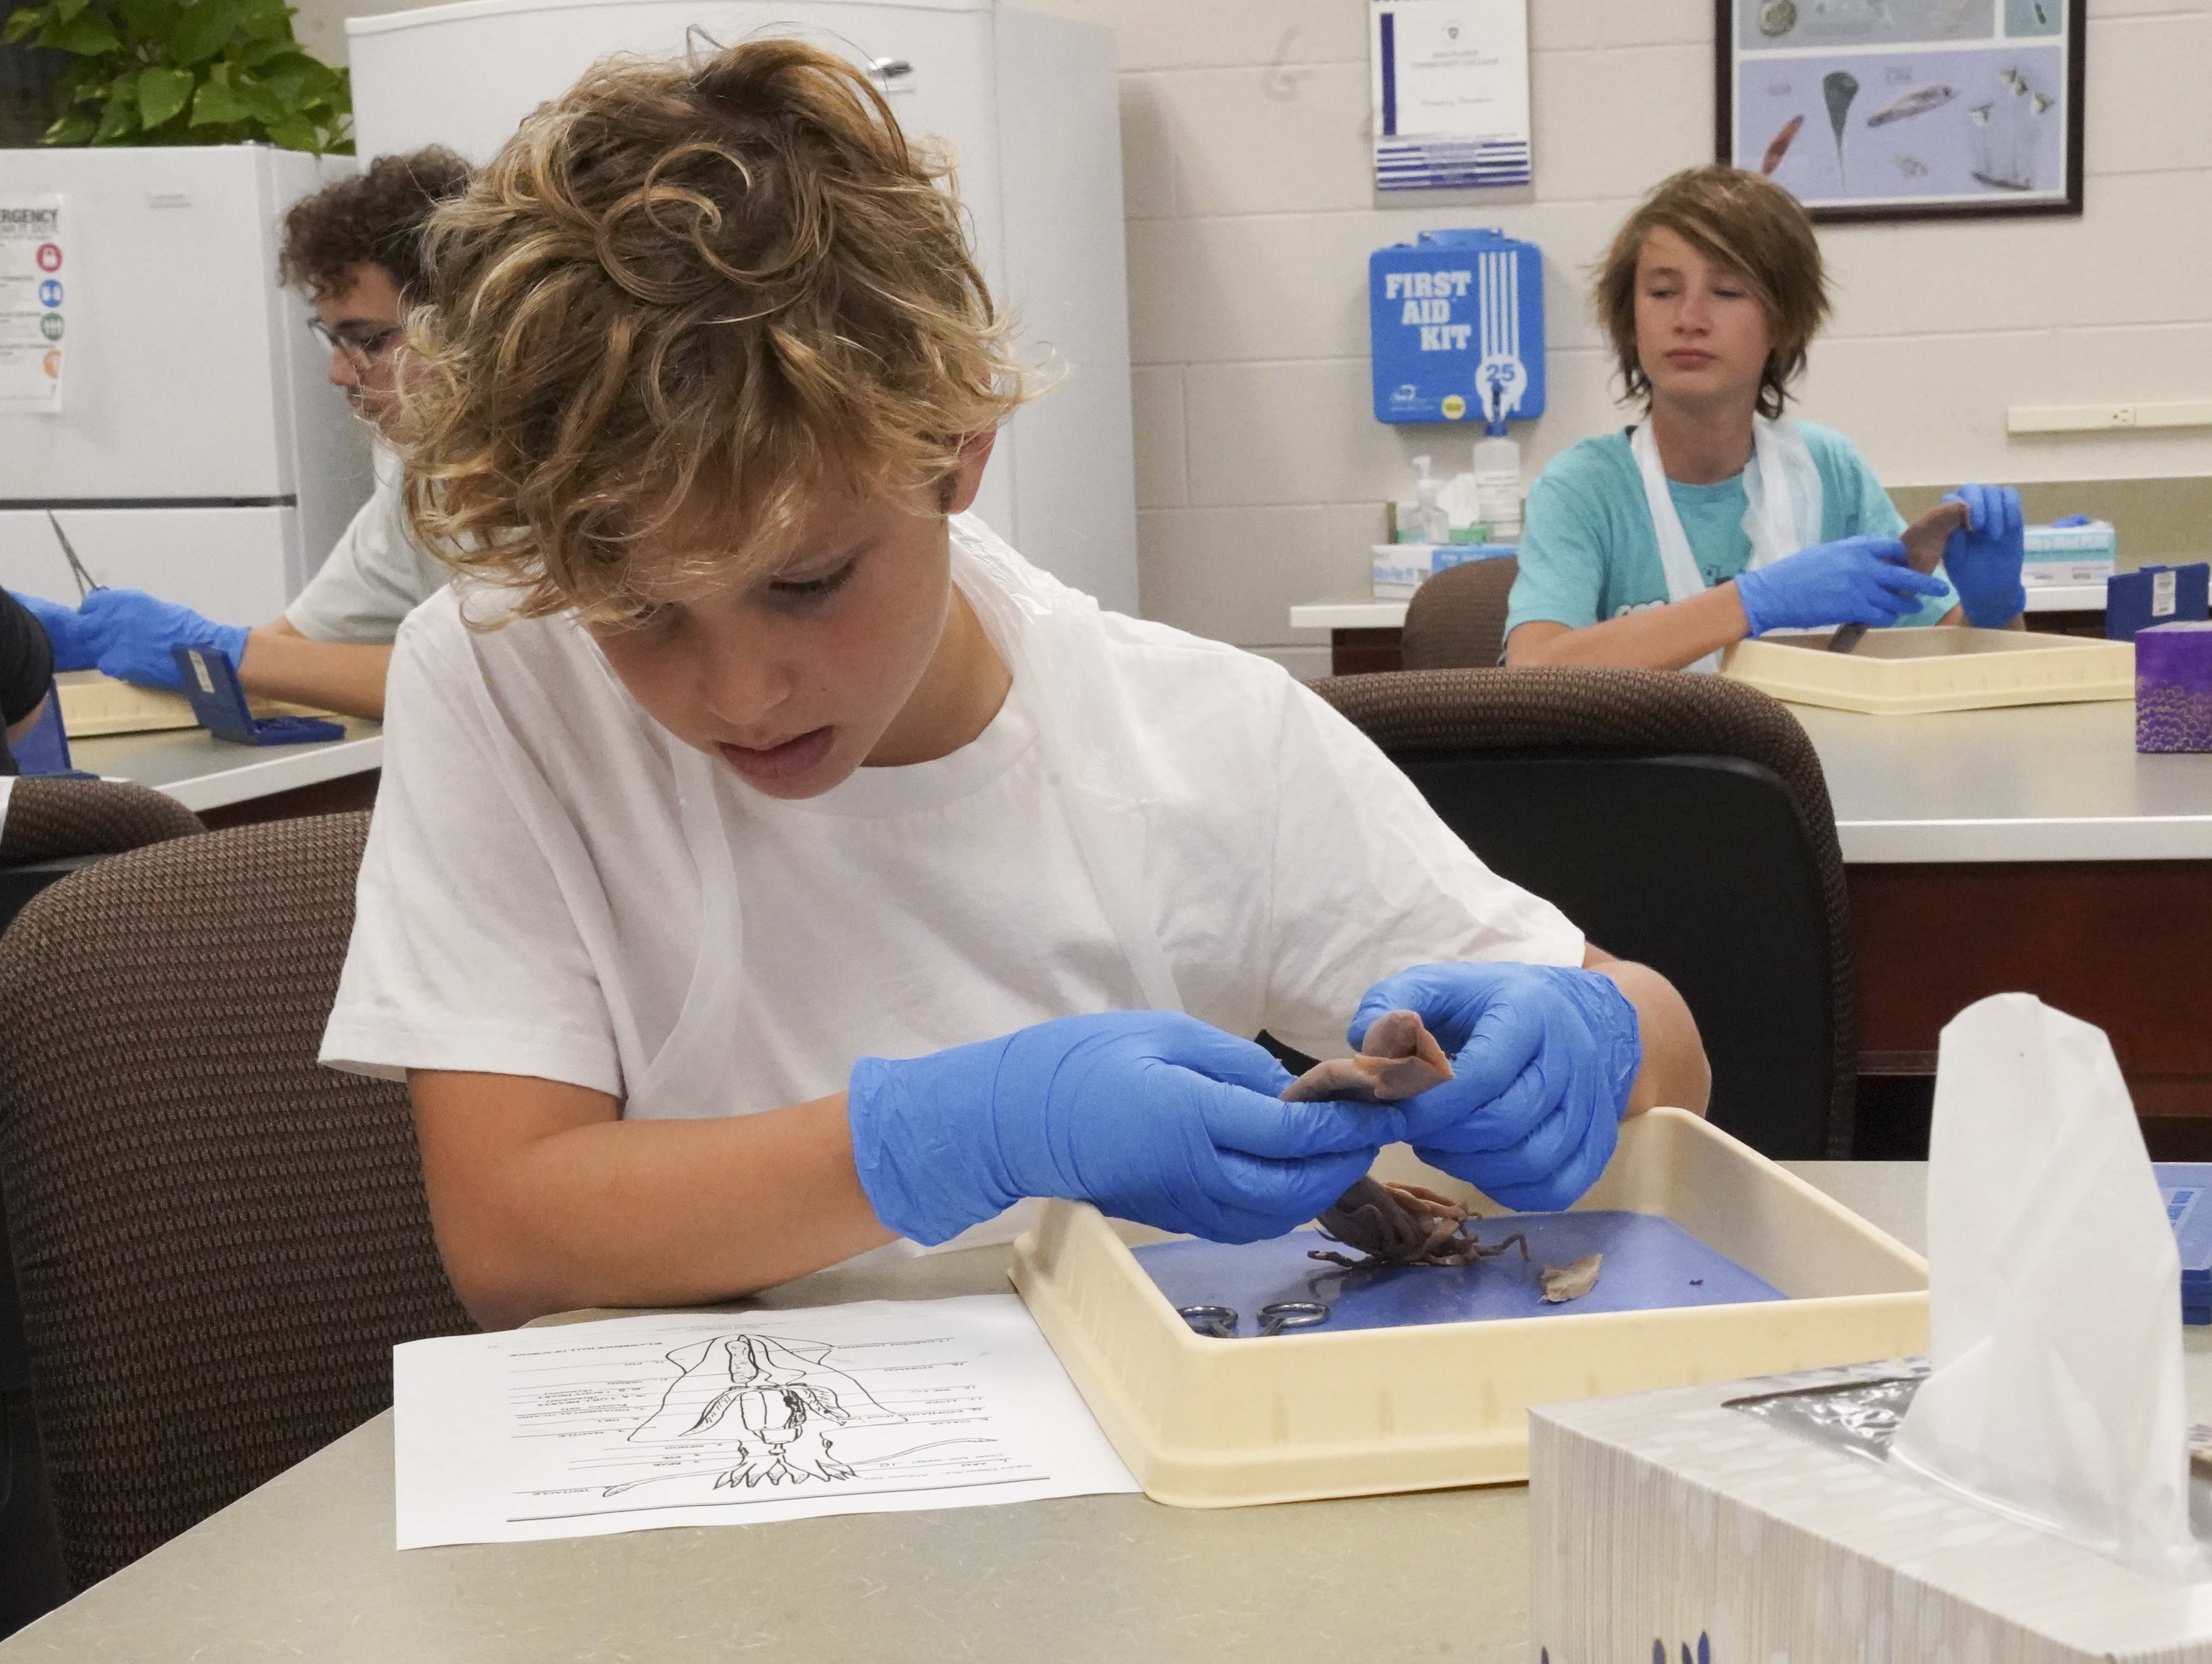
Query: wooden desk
x: 2030, y: 849
x: 228, y: 785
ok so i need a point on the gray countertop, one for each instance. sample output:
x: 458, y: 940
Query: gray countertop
x: 304, y: 1569
x: 202, y: 772
x: 2027, y: 783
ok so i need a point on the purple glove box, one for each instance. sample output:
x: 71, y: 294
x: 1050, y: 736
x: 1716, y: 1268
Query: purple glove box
x: 2174, y: 688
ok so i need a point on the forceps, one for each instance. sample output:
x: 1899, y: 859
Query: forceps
x: 85, y: 581
x: 1219, y: 1323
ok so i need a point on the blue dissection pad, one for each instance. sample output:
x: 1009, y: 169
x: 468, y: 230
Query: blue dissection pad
x: 1650, y: 1263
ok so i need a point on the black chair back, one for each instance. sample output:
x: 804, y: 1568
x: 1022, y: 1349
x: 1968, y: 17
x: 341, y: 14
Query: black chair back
x: 1680, y: 821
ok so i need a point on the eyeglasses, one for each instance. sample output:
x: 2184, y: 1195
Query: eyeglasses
x: 361, y: 347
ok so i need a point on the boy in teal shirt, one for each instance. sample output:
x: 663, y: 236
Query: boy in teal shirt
x: 1716, y: 518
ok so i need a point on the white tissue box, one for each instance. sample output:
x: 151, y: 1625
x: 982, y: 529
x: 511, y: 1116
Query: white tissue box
x: 2063, y: 555
x: 1668, y: 1522
x: 1398, y: 569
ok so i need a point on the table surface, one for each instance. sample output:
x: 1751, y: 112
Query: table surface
x: 304, y: 1568
x: 2026, y: 783
x: 202, y: 772
x: 1366, y: 613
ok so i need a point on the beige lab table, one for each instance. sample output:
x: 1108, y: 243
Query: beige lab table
x: 304, y: 1568
x: 228, y: 785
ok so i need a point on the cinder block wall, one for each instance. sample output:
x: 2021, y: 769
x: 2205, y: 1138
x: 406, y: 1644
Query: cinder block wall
x: 1251, y: 215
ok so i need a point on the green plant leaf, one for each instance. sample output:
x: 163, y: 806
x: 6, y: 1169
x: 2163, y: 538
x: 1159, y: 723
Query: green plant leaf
x: 22, y: 24
x: 295, y: 132
x: 118, y: 120
x: 292, y: 76
x: 215, y: 103
x: 150, y: 21
x: 256, y: 101
x: 265, y: 19
x: 74, y: 129
x: 65, y: 10
x: 161, y: 93
x: 86, y: 34
x: 203, y: 27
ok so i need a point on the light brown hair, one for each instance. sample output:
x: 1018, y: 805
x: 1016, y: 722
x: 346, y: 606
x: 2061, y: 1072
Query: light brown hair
x: 1753, y: 226
x: 704, y: 294
x: 373, y: 218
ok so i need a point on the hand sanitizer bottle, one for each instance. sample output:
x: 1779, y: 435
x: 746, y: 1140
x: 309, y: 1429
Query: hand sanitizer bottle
x: 1497, y: 482
x: 1431, y: 524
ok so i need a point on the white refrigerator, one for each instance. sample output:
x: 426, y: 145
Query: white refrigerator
x: 196, y: 449
x: 1028, y: 106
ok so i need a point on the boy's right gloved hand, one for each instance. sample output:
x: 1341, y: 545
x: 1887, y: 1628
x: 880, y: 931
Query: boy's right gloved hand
x: 132, y: 633
x: 1154, y: 1116
x: 1853, y: 581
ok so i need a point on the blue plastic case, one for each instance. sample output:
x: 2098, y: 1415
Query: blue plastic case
x: 212, y: 683
x: 1456, y: 320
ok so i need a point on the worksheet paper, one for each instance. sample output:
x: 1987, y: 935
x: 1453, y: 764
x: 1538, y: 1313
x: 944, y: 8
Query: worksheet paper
x: 737, y: 1418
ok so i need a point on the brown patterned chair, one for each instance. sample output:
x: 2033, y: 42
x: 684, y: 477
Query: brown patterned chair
x: 51, y: 827
x: 1457, y: 621
x: 1680, y: 820
x: 217, y: 1243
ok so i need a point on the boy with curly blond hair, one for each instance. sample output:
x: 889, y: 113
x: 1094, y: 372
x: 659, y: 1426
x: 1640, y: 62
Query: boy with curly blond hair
x: 771, y: 865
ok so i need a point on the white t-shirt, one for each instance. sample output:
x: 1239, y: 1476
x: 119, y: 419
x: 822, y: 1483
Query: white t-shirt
x: 375, y: 574
x: 555, y: 886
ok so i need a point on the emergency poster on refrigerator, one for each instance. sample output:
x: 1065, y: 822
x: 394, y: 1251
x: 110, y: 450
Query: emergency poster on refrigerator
x: 34, y: 285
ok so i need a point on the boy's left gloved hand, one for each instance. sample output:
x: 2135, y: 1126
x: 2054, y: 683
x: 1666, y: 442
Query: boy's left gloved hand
x: 1543, y: 1058
x: 1984, y: 560
x: 67, y: 632
x: 133, y: 633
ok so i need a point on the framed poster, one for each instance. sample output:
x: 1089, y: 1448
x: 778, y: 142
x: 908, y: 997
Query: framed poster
x: 1905, y: 109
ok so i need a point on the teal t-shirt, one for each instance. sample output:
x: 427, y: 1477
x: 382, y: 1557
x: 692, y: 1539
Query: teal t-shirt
x: 1588, y: 552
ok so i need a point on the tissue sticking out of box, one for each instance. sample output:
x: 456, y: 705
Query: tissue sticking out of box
x: 2056, y: 1393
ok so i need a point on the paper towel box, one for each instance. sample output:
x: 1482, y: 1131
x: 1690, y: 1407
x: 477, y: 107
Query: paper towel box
x: 1670, y: 1523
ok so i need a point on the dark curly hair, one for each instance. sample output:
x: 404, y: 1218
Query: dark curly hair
x: 375, y: 218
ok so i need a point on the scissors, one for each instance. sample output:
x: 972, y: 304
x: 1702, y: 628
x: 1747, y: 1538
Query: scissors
x: 1219, y: 1323
x: 85, y: 581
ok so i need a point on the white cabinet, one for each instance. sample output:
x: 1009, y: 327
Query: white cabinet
x: 1026, y: 102
x: 190, y: 386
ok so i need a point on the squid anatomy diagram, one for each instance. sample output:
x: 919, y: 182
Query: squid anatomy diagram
x: 775, y: 1400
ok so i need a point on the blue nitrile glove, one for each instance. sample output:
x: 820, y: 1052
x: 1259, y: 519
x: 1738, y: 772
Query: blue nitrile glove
x: 66, y: 629
x: 1543, y: 1057
x: 132, y: 633
x: 1853, y: 581
x: 1984, y: 560
x: 1153, y: 1115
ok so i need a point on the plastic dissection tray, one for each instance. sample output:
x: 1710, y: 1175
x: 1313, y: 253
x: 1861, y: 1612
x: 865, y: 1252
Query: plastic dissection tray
x: 92, y: 705
x: 1394, y: 1397
x: 1906, y: 672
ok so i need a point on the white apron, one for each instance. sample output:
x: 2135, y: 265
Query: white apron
x: 1783, y: 509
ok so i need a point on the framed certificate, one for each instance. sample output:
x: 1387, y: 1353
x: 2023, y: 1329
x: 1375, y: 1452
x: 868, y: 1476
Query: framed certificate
x: 1450, y: 82
x: 1905, y: 109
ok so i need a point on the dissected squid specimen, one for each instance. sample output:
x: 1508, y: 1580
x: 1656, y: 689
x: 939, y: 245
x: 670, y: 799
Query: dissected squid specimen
x: 1924, y: 541
x: 1403, y: 1224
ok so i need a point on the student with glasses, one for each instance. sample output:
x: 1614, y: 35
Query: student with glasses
x: 353, y: 248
